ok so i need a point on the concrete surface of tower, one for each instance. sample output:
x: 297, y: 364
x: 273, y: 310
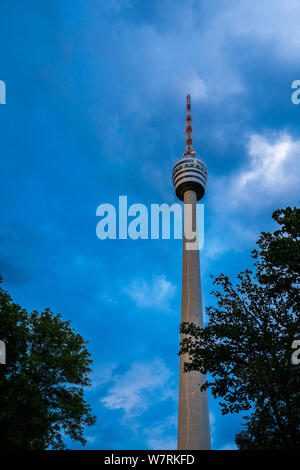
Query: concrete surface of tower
x: 189, y: 179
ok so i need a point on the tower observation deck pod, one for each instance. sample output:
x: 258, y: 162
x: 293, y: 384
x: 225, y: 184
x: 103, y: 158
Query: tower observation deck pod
x: 189, y: 179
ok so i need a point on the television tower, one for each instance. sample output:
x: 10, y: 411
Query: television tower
x: 189, y: 179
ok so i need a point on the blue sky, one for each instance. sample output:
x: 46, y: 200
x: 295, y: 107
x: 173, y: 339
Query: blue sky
x: 96, y: 109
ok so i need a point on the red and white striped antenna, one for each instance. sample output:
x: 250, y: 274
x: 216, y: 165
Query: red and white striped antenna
x: 188, y: 129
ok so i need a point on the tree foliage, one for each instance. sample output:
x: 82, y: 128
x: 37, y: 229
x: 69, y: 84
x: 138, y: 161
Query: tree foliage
x: 246, y: 346
x: 41, y: 385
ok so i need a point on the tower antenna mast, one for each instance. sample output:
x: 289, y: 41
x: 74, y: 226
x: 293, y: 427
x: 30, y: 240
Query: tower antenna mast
x: 188, y: 128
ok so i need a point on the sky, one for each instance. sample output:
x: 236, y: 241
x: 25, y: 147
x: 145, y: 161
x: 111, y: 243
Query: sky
x: 95, y: 109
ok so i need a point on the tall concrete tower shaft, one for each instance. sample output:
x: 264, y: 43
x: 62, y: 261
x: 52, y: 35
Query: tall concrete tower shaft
x: 189, y: 179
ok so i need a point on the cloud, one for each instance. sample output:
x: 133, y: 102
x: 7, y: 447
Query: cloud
x: 102, y: 374
x: 277, y: 23
x: 154, y: 295
x: 191, y: 83
x: 133, y: 392
x: 269, y: 178
x: 273, y: 169
x: 196, y: 87
x: 162, y: 436
x: 196, y: 51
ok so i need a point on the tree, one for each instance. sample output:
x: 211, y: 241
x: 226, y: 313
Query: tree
x: 246, y: 347
x: 41, y: 385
